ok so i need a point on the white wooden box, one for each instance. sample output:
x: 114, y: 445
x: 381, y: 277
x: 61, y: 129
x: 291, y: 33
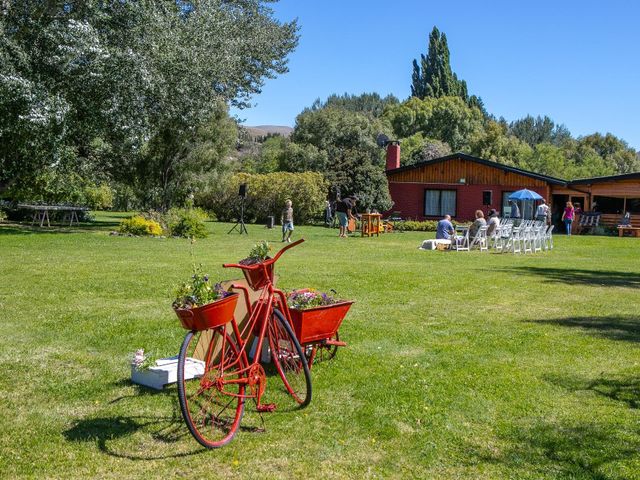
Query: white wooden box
x: 165, y: 372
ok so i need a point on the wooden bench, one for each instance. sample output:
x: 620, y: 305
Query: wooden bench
x: 634, y: 231
x: 627, y: 225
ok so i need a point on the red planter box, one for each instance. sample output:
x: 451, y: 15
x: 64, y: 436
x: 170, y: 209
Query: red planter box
x: 256, y: 278
x: 318, y: 323
x: 208, y: 316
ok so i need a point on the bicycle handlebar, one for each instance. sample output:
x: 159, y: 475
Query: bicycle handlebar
x: 266, y: 262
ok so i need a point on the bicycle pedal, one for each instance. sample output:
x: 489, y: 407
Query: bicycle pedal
x: 266, y: 407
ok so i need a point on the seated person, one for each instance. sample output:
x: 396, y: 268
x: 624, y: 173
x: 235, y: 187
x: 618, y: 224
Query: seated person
x: 445, y: 229
x: 475, y: 226
x: 493, y: 223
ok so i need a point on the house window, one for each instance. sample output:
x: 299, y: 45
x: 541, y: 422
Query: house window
x: 506, y: 208
x: 487, y: 197
x: 439, y: 202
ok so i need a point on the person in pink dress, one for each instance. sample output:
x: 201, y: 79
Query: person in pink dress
x: 567, y: 216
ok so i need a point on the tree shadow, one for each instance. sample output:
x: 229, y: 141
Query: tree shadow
x: 602, y: 278
x: 26, y: 229
x: 625, y: 389
x: 614, y: 327
x: 566, y: 449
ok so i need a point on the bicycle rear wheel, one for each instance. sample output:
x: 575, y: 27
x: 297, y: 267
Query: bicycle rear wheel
x: 289, y: 359
x: 212, y: 407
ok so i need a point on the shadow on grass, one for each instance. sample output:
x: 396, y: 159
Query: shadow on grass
x: 625, y: 389
x: 602, y: 278
x: 565, y: 450
x: 26, y: 229
x: 106, y: 431
x: 614, y: 327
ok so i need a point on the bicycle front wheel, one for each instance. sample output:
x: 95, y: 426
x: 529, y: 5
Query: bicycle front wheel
x: 289, y: 359
x: 211, y: 398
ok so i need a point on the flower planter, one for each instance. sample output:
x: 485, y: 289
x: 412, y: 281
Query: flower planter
x: 256, y: 278
x: 318, y: 323
x: 208, y: 316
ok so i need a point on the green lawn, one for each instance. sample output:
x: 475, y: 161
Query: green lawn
x: 459, y: 365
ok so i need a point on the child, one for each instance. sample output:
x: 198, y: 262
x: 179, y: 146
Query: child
x: 287, y: 221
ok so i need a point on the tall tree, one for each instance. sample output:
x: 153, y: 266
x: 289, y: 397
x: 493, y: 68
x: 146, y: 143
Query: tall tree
x: 539, y: 130
x: 138, y: 76
x: 432, y: 76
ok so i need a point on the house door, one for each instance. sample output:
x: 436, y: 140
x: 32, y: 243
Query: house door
x: 557, y: 208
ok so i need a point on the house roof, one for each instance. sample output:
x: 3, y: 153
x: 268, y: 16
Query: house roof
x: 500, y: 166
x: 610, y: 178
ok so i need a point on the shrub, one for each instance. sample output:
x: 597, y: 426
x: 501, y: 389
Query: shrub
x: 138, y: 225
x: 3, y: 216
x: 267, y: 194
x: 187, y: 222
x: 99, y: 197
x: 416, y: 226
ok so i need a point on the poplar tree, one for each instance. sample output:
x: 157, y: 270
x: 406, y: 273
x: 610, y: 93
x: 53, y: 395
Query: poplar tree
x: 432, y: 76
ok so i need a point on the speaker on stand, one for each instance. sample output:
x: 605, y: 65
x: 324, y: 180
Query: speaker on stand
x: 242, y: 228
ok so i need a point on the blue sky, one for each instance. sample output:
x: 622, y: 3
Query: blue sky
x: 576, y: 61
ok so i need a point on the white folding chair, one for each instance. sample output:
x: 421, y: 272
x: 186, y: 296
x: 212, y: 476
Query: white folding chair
x: 480, y: 240
x: 548, y: 238
x: 461, y: 242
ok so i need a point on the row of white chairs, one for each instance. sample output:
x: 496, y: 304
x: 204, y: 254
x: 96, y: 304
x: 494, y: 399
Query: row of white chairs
x: 530, y: 236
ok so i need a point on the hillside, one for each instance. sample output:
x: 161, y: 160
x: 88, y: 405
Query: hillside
x: 264, y: 130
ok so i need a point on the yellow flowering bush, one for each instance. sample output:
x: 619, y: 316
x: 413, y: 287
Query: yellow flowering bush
x: 138, y: 225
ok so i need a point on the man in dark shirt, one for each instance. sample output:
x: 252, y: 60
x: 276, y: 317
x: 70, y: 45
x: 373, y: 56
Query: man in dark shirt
x: 344, y: 211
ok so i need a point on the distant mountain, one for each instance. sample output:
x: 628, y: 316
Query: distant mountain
x: 264, y: 130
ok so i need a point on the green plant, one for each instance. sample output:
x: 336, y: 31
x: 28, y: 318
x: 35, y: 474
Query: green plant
x: 141, y: 361
x: 99, y: 197
x: 198, y: 291
x: 416, y: 226
x: 187, y: 222
x: 138, y: 225
x: 259, y: 253
x: 3, y: 216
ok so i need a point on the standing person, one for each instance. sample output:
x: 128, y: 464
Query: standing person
x: 286, y: 218
x: 344, y: 209
x: 328, y: 217
x: 515, y: 210
x: 568, y: 216
x: 542, y: 213
x: 444, y: 230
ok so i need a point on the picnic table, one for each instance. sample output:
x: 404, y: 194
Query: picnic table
x: 41, y: 212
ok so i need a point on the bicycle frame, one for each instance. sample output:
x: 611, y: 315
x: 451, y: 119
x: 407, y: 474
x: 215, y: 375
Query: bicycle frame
x: 259, y: 318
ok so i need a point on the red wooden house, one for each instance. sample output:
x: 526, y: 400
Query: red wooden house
x: 458, y: 185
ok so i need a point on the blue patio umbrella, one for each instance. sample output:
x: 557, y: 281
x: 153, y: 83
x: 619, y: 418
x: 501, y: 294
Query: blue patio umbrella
x: 525, y: 196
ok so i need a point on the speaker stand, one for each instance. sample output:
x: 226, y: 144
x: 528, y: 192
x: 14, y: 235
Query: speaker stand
x: 240, y: 226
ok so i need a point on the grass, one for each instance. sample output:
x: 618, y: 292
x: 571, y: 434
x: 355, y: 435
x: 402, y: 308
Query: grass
x: 459, y: 365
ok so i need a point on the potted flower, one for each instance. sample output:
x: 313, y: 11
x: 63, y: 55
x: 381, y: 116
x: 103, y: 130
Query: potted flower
x: 257, y: 277
x: 200, y: 304
x: 316, y: 315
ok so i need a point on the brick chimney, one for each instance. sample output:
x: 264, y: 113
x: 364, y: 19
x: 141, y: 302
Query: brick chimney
x: 393, y: 155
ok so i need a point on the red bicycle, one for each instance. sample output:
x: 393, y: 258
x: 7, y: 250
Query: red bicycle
x: 215, y: 373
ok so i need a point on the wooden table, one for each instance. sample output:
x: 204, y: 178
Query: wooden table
x: 370, y: 224
x: 41, y: 212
